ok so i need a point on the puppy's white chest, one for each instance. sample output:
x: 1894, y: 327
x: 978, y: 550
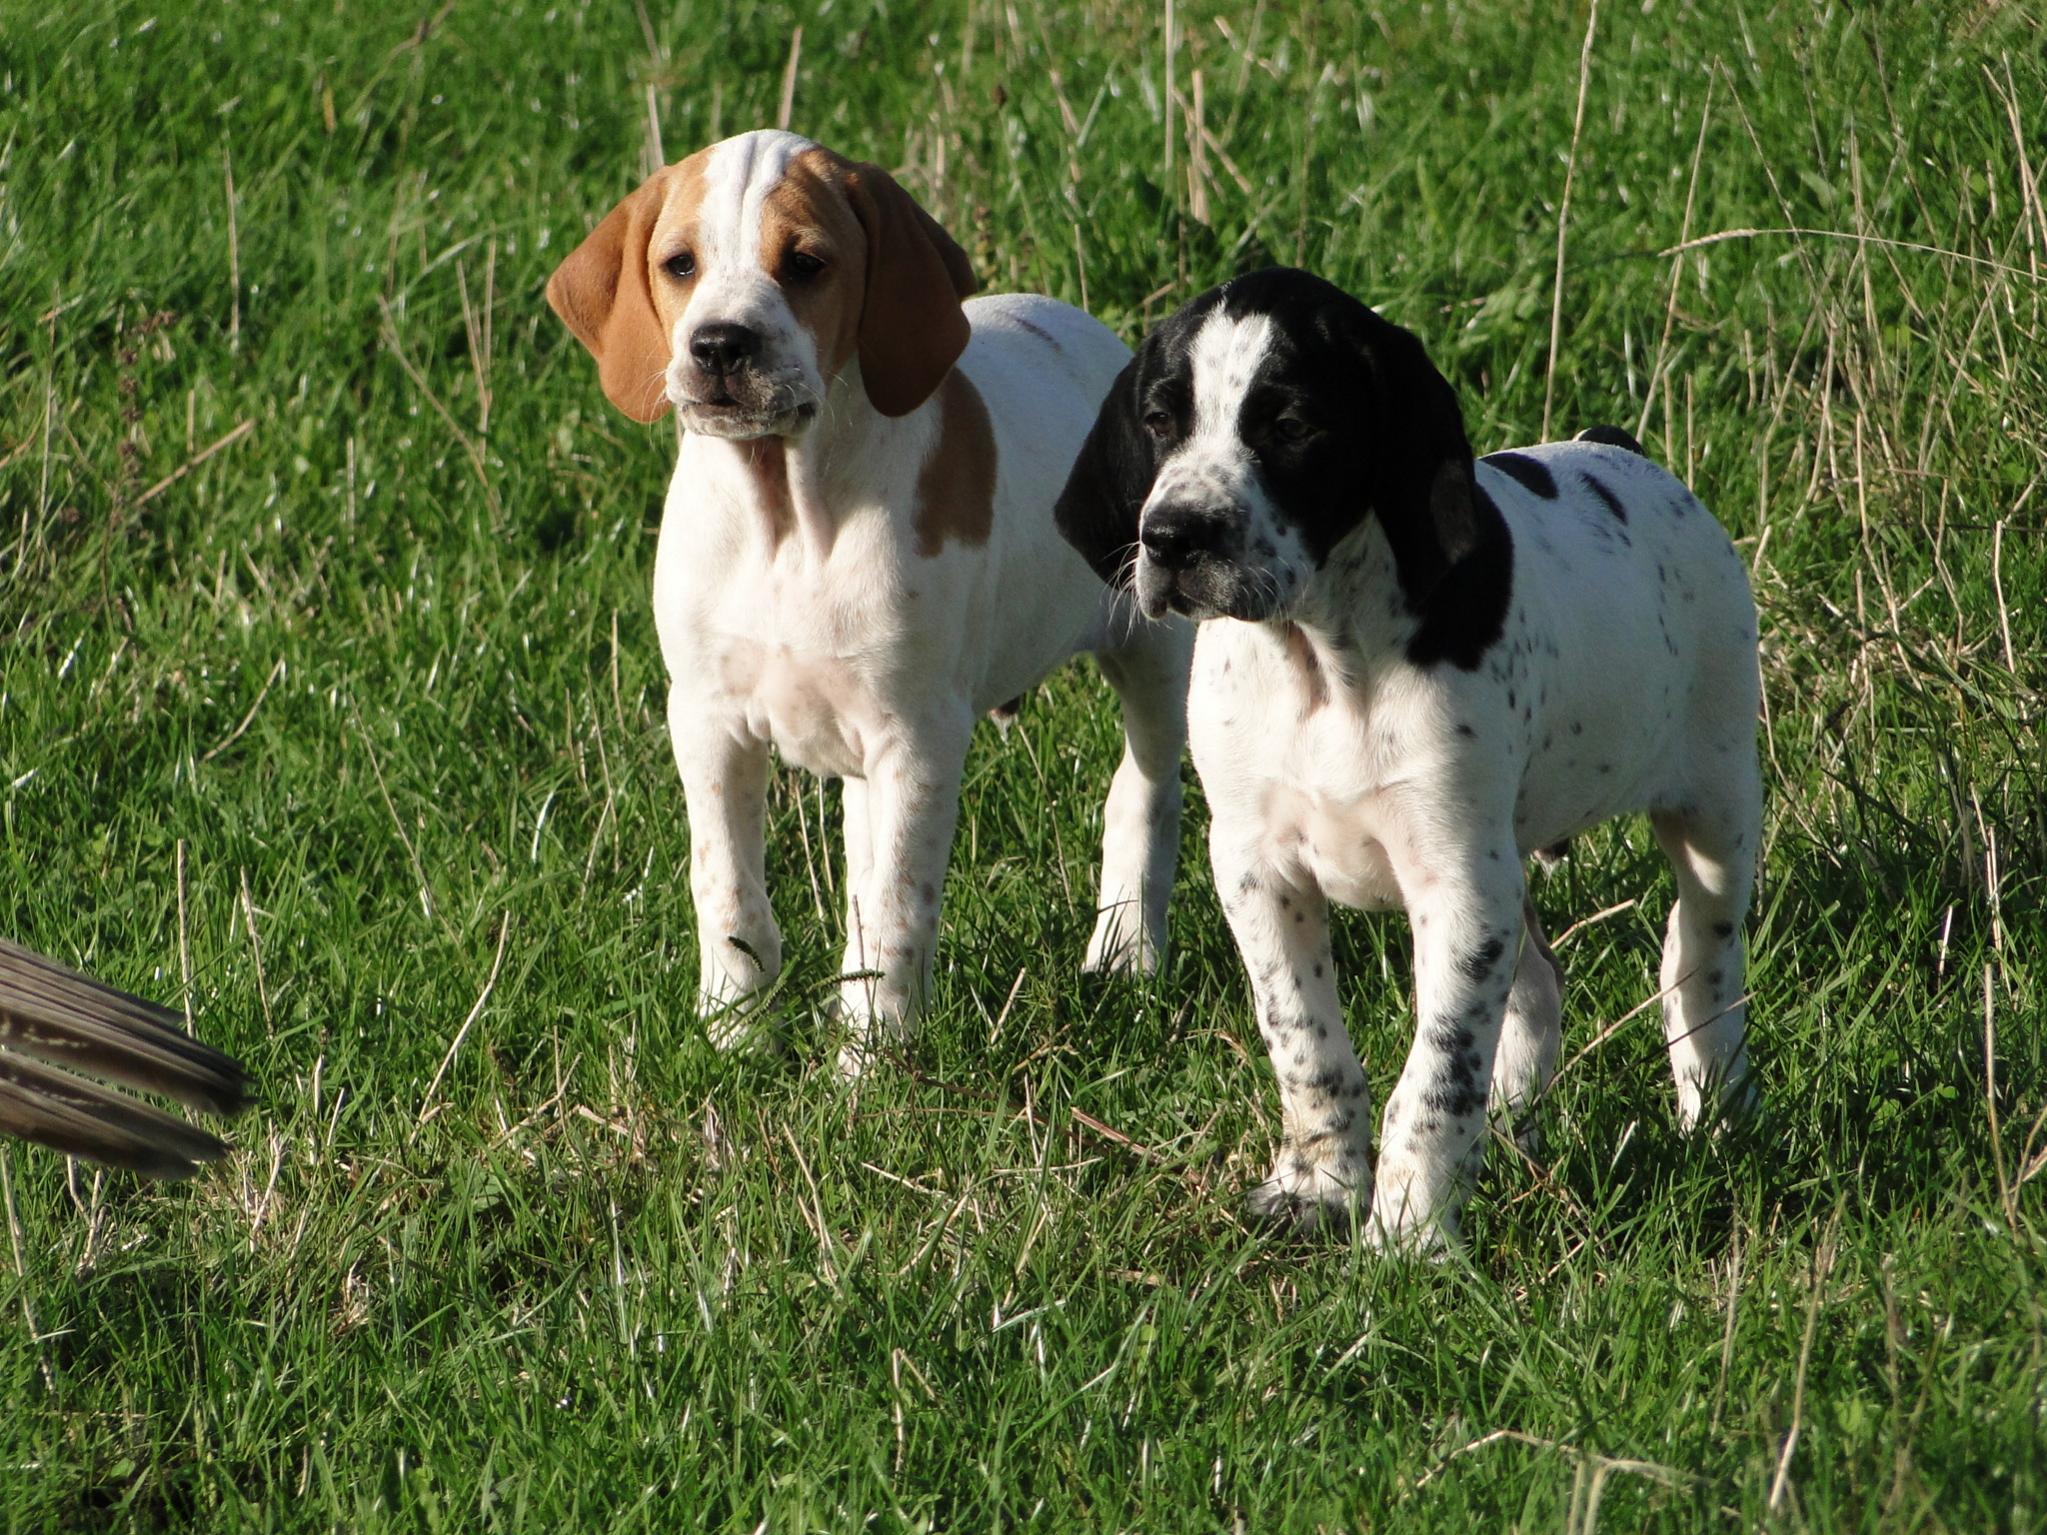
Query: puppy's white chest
x: 1280, y: 754
x: 1335, y: 842
x: 771, y: 648
x: 814, y: 708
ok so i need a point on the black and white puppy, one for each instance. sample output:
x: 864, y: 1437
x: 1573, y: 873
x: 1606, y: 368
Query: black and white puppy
x: 1413, y: 670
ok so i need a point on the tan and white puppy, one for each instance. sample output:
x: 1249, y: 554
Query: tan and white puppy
x: 857, y: 556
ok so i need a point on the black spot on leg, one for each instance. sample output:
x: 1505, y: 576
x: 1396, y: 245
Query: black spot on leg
x: 1464, y: 729
x: 1451, y: 1098
x: 1478, y: 964
x: 1723, y: 929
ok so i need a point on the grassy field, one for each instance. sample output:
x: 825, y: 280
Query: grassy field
x: 330, y: 706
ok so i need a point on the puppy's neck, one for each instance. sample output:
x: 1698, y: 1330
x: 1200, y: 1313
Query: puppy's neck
x: 850, y: 457
x: 1352, y: 615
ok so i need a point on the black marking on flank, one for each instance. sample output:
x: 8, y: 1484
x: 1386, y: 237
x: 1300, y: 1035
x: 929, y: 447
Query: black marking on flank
x: 1531, y: 474
x: 1598, y: 488
x: 1613, y: 437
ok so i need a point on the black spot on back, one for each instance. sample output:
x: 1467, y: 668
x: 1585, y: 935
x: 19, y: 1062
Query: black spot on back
x: 1612, y: 437
x: 1531, y: 475
x: 1598, y: 488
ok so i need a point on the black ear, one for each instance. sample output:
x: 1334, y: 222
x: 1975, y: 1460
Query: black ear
x: 1421, y: 485
x: 1097, y: 512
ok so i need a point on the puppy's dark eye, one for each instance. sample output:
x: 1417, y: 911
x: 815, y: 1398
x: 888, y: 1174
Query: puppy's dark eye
x: 803, y: 264
x: 1159, y: 423
x: 1292, y: 429
x: 680, y: 266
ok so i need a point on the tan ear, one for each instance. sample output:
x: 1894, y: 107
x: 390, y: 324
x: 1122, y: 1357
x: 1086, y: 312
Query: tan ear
x: 911, y: 327
x: 600, y: 291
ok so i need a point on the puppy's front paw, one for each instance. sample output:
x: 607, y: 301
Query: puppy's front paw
x: 743, y: 1027
x: 1432, y: 1243
x: 870, y: 1036
x: 1122, y: 944
x: 1307, y: 1198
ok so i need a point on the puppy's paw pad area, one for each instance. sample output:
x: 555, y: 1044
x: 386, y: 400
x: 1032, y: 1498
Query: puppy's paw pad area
x: 1121, y: 947
x: 737, y: 1030
x: 1317, y: 1206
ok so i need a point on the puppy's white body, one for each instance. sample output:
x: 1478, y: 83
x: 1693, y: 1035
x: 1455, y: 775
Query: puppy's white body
x: 857, y: 555
x: 1414, y: 669
x: 1628, y: 664
x: 1336, y: 770
x: 827, y: 639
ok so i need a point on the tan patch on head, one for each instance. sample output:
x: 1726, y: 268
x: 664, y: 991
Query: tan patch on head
x: 614, y: 298
x: 956, y: 489
x: 675, y: 232
x: 807, y: 212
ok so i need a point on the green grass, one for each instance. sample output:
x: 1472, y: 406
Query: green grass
x: 309, y: 733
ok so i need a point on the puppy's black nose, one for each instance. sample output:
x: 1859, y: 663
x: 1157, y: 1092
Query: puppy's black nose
x: 1176, y: 538
x: 722, y: 348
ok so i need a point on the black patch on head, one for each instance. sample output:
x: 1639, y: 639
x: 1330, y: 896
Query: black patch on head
x: 1384, y: 438
x: 1113, y: 472
x: 1613, y: 503
x: 1097, y: 511
x: 1613, y: 437
x: 1532, y: 475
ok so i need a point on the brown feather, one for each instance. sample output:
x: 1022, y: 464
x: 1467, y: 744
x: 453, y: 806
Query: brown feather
x: 55, y: 1022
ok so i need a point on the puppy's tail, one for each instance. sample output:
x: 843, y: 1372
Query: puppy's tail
x: 55, y: 1023
x: 1613, y: 437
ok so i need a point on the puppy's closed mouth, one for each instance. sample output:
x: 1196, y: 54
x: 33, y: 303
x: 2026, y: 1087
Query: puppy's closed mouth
x: 722, y: 415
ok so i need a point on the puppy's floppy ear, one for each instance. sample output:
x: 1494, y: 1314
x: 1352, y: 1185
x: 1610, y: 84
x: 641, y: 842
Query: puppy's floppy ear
x: 912, y: 329
x: 600, y: 291
x: 1105, y: 490
x: 1422, y: 485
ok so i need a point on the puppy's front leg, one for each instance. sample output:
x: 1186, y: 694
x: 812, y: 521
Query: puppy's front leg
x: 724, y: 787
x: 910, y: 805
x: 1465, y: 906
x: 1324, y: 1166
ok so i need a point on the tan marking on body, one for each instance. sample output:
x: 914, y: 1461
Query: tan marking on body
x: 956, y: 489
x: 767, y: 466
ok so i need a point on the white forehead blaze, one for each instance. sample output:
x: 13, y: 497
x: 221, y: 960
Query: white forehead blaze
x: 1226, y: 355
x: 732, y: 284
x: 1212, y: 463
x: 737, y: 179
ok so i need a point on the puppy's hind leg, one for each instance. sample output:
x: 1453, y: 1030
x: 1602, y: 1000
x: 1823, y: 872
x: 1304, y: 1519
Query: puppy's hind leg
x: 1530, y: 1035
x: 1141, y: 819
x: 1712, y: 849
